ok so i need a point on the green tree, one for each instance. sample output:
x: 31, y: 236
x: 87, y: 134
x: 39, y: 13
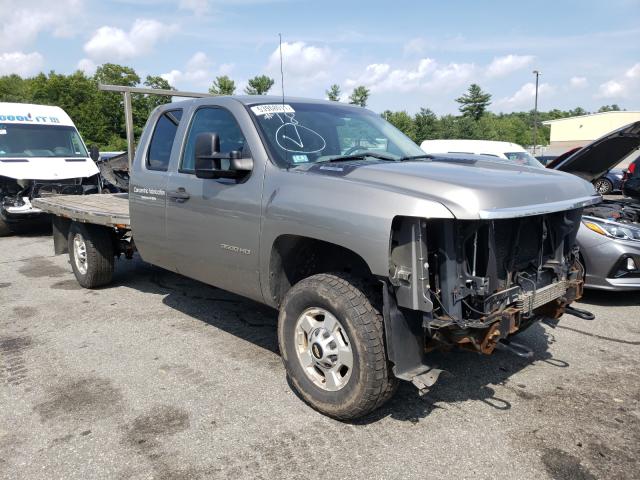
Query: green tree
x: 334, y: 93
x: 259, y: 85
x: 426, y: 126
x: 475, y: 102
x: 14, y: 88
x: 359, y: 96
x: 609, y: 108
x: 402, y: 121
x: 223, y: 85
x: 577, y: 112
x: 158, y: 82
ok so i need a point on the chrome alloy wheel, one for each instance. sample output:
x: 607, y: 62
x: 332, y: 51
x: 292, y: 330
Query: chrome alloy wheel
x: 324, y: 349
x: 80, y: 253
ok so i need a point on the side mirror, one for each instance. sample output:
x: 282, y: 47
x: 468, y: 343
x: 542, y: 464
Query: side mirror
x: 210, y: 163
x: 94, y: 153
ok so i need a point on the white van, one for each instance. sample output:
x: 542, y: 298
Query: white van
x: 41, y: 153
x: 505, y: 150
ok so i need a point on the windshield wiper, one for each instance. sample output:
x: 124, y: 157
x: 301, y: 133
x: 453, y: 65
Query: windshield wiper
x: 415, y: 157
x: 358, y: 156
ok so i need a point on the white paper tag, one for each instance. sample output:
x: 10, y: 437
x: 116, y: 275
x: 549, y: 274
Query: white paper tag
x: 272, y: 108
x: 3, y: 132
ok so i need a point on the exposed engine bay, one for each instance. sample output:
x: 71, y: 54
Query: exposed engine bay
x: 16, y: 195
x: 475, y: 283
x: 624, y: 210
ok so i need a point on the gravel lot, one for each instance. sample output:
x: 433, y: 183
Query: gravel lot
x: 158, y: 376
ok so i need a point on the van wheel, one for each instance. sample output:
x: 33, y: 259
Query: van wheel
x: 5, y: 231
x: 331, y: 340
x: 91, y: 255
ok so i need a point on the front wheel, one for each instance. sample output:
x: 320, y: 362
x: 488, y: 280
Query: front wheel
x: 91, y: 255
x: 331, y: 340
x: 603, y: 186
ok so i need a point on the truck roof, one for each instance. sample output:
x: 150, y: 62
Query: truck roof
x: 28, y: 113
x: 259, y: 99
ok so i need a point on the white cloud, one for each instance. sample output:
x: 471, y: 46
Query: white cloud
x: 114, y: 44
x: 198, y: 72
x: 302, y: 61
x: 20, y: 25
x: 501, y: 66
x: 87, y: 65
x: 415, y: 46
x: 196, y: 6
x: 524, y: 97
x: 23, y: 64
x: 427, y: 75
x: 633, y: 72
x: 621, y: 87
x: 578, y: 82
x: 612, y: 89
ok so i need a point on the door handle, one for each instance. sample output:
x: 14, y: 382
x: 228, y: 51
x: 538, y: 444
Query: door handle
x: 180, y: 195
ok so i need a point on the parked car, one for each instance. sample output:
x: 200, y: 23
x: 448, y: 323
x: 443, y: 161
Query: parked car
x: 505, y: 150
x: 609, y: 237
x: 374, y: 252
x: 41, y: 153
x: 544, y: 159
x: 609, y: 182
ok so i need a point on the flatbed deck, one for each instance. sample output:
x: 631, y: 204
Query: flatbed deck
x: 111, y: 210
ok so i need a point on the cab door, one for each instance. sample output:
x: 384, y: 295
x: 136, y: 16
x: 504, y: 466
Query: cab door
x: 148, y: 185
x: 213, y: 225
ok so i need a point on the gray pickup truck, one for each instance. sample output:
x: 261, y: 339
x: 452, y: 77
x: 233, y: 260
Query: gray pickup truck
x: 374, y: 253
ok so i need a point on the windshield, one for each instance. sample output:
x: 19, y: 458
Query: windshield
x: 306, y: 133
x: 523, y: 158
x: 20, y: 140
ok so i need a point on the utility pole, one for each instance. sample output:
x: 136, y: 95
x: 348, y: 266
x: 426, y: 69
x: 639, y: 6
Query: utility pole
x: 535, y: 114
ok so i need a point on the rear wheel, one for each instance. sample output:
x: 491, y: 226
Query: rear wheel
x: 331, y: 342
x: 91, y: 255
x: 4, y: 228
x: 603, y: 186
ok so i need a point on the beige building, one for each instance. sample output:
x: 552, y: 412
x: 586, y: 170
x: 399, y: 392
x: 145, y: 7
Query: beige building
x: 571, y: 132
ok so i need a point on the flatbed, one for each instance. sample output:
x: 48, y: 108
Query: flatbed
x: 109, y: 210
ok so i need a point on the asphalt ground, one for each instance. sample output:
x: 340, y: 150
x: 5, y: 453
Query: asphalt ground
x: 158, y: 376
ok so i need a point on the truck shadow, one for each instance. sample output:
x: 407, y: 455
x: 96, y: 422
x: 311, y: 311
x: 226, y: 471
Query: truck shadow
x: 469, y: 376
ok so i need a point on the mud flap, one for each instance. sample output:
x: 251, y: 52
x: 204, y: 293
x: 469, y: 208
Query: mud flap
x: 405, y: 345
x: 60, y: 231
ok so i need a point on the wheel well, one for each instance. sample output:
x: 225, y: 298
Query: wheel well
x: 295, y: 257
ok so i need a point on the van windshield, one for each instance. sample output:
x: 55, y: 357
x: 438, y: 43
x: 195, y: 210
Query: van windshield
x: 523, y: 158
x: 22, y: 140
x: 305, y: 133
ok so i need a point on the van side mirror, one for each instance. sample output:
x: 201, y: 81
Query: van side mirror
x: 94, y: 153
x: 210, y: 163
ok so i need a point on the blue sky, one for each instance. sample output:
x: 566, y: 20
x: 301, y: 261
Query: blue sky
x: 410, y: 54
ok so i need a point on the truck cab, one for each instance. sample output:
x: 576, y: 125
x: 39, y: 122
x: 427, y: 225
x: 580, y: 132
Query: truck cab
x: 41, y: 153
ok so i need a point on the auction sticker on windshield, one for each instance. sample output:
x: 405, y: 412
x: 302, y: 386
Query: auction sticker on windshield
x: 272, y: 108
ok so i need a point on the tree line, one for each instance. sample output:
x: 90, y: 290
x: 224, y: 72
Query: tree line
x: 99, y: 115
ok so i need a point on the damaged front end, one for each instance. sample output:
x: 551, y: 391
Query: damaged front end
x: 16, y: 195
x: 475, y: 283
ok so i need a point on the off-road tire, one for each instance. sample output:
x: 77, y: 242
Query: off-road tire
x: 99, y: 255
x: 371, y: 383
x: 5, y: 231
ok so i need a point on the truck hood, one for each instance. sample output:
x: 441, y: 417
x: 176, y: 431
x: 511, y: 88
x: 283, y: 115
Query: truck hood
x: 472, y: 187
x: 595, y: 159
x: 47, y: 168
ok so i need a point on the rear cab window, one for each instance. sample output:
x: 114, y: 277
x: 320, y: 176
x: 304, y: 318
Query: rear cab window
x: 164, y: 134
